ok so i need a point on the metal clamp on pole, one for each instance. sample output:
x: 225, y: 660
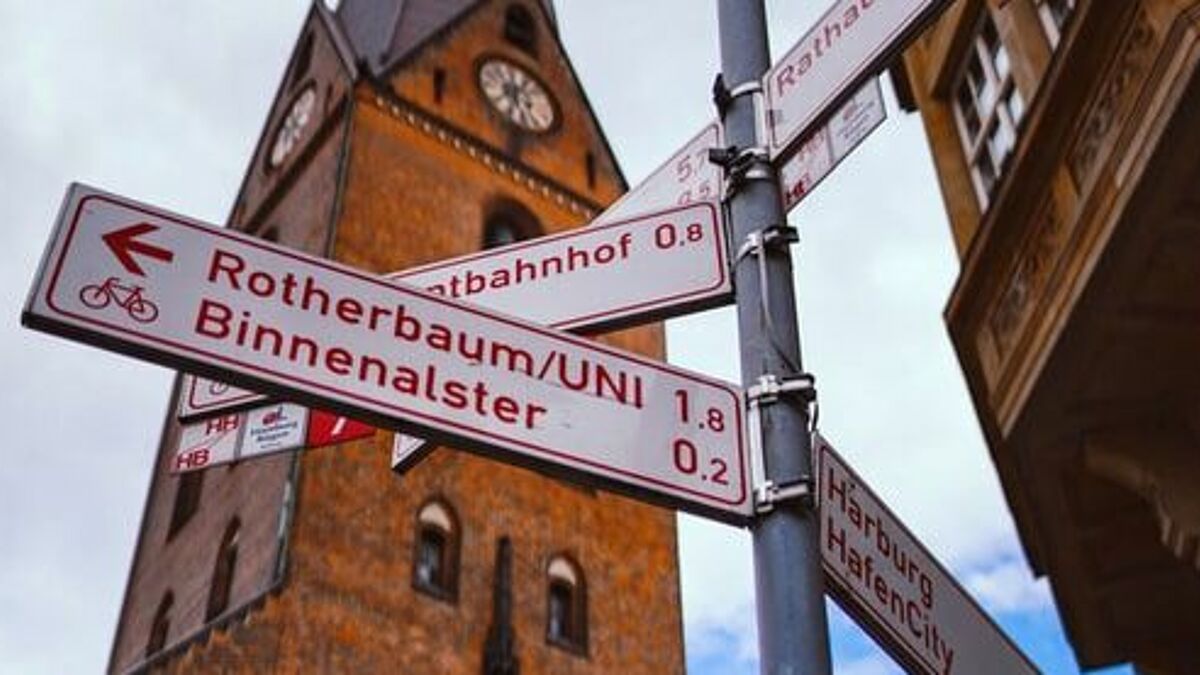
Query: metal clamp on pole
x: 756, y: 244
x: 773, y: 235
x: 768, y: 390
x: 767, y: 495
x: 723, y: 95
x: 742, y: 165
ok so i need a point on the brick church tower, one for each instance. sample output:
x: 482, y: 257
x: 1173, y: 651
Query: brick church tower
x: 405, y: 132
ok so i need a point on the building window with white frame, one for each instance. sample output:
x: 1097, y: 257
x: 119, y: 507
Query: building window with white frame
x: 435, y: 558
x: 988, y: 108
x: 566, y: 605
x: 1054, y: 15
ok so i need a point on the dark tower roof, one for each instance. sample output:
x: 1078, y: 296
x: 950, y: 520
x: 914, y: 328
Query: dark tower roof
x: 383, y: 32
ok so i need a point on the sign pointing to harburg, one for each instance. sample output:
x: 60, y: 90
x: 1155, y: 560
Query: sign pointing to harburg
x: 259, y: 315
x: 883, y: 576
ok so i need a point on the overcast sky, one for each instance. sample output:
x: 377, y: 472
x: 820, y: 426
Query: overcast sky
x: 164, y: 105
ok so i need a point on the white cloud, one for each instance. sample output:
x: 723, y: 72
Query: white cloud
x: 1008, y: 586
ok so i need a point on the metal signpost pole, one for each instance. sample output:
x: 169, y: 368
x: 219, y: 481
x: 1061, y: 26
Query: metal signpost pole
x: 793, y: 635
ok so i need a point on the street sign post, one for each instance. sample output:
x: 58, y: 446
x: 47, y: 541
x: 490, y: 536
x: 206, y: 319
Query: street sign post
x: 258, y: 315
x: 883, y: 576
x: 825, y: 149
x: 793, y: 633
x: 849, y: 43
x: 625, y: 271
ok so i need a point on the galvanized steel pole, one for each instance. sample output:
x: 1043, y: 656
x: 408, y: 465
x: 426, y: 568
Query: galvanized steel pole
x: 792, y: 631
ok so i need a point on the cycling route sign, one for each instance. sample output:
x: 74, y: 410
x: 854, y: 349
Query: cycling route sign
x: 261, y: 316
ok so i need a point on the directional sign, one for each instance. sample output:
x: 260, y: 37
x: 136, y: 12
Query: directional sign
x: 687, y: 177
x: 406, y: 452
x: 268, y: 318
x: 208, y: 443
x: 202, y: 397
x: 626, y: 271
x: 852, y: 41
x: 825, y: 149
x: 883, y: 576
x: 232, y: 437
x: 326, y: 428
x: 274, y: 428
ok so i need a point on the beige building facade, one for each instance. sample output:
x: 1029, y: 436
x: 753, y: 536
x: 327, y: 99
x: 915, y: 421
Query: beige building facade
x: 1066, y: 138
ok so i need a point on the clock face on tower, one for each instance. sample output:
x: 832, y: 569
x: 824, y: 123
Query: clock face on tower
x: 517, y: 95
x: 293, y: 125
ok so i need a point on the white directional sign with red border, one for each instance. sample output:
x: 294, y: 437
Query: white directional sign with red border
x: 202, y: 397
x: 883, y: 576
x: 825, y: 149
x: 216, y: 302
x: 232, y: 437
x: 687, y: 177
x: 638, y: 269
x: 209, y: 443
x: 850, y: 42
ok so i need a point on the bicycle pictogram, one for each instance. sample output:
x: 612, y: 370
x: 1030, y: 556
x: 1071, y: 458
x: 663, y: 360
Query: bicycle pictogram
x: 127, y: 297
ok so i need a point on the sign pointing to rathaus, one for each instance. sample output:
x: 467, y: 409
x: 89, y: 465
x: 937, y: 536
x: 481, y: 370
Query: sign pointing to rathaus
x: 263, y: 316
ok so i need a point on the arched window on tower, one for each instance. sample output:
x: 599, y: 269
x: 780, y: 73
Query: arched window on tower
x: 187, y: 500
x: 435, y: 558
x: 566, y: 605
x: 519, y: 29
x: 222, y: 579
x: 161, y: 625
x: 508, y: 222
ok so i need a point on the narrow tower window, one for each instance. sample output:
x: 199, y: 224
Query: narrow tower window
x: 161, y: 625
x: 439, y: 84
x: 589, y: 165
x: 566, y: 605
x: 222, y: 579
x: 435, y: 559
x: 519, y: 29
x: 187, y: 500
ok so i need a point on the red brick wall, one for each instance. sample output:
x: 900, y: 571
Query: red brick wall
x: 415, y: 192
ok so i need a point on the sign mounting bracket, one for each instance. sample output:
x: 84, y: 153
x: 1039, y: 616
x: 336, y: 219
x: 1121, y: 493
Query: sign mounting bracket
x: 767, y: 391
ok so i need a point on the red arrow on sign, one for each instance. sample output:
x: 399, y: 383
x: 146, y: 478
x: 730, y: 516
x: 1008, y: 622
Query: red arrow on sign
x: 123, y: 244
